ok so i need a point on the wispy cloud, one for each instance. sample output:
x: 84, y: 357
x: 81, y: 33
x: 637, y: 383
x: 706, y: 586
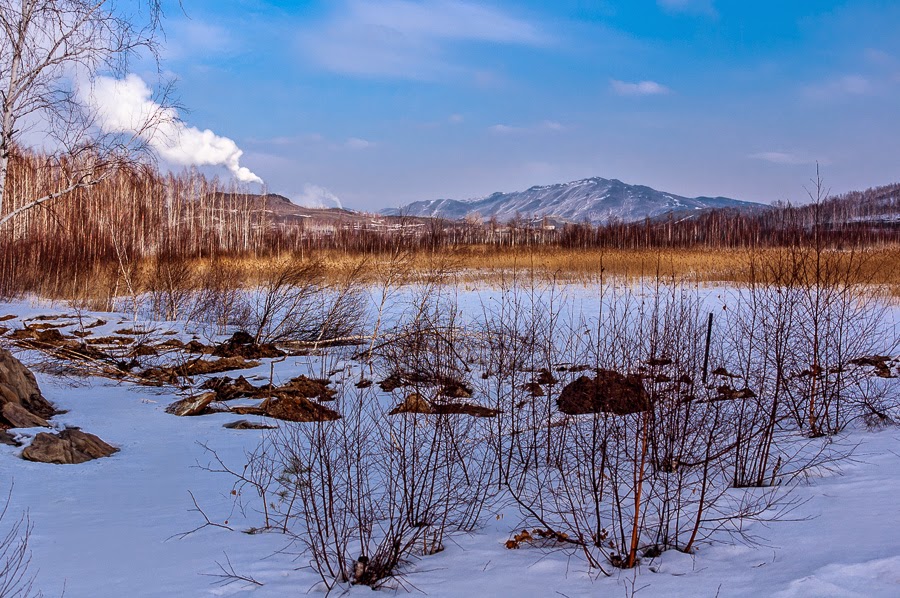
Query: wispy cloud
x: 641, y: 88
x: 705, y: 7
x: 194, y: 39
x: 357, y: 143
x: 785, y: 158
x: 846, y: 85
x: 407, y: 39
x: 547, y: 125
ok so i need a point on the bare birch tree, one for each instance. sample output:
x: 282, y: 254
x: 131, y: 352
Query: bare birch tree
x: 46, y: 46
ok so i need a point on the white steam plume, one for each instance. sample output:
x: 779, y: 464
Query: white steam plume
x: 314, y: 196
x: 126, y: 106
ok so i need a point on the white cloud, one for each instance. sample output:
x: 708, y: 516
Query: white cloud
x: 358, y: 144
x: 641, y: 88
x: 126, y: 106
x: 407, y: 39
x: 456, y: 119
x: 786, y: 158
x: 547, y: 125
x: 504, y: 129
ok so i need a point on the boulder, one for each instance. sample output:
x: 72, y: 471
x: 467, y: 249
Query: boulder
x: 609, y: 392
x: 19, y: 417
x: 18, y: 385
x: 69, y: 447
x: 191, y: 405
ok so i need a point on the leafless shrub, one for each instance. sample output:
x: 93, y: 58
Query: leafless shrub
x: 16, y: 578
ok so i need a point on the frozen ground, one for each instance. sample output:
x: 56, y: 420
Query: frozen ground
x: 109, y: 527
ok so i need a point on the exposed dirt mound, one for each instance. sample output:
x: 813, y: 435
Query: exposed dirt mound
x: 413, y: 403
x: 879, y: 362
x: 243, y: 424
x: 609, y: 392
x: 545, y: 376
x: 416, y: 403
x: 227, y: 389
x: 535, y: 389
x: 197, y: 367
x: 456, y: 390
x: 71, y: 446
x: 298, y: 409
x: 244, y: 345
x: 308, y: 388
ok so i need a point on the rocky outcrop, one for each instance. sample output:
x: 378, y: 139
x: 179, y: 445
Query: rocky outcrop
x: 191, y: 405
x: 18, y: 387
x: 69, y: 447
x: 19, y: 417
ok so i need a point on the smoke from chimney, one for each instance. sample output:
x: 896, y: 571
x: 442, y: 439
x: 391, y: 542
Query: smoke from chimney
x: 126, y: 106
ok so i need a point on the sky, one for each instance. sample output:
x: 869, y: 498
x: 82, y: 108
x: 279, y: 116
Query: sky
x: 377, y: 103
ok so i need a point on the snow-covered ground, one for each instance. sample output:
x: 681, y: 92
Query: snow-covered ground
x: 111, y: 527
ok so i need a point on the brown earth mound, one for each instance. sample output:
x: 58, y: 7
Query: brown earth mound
x: 244, y: 345
x: 243, y: 424
x: 298, y: 409
x: 609, y: 392
x: 227, y: 389
x: 416, y: 403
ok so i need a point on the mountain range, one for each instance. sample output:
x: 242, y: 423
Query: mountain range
x: 595, y: 200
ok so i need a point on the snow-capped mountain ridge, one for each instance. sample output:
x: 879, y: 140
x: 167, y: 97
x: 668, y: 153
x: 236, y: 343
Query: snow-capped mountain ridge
x: 595, y: 199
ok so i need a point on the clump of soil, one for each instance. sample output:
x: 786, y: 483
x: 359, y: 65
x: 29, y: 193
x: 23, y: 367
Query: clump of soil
x: 227, y: 388
x: 309, y: 388
x: 456, y: 390
x: 244, y: 345
x: 416, y: 403
x: 729, y: 393
x: 609, y: 392
x: 721, y: 371
x: 534, y: 388
x: 297, y: 409
x: 196, y: 346
x: 197, y: 367
x: 545, y: 377
x: 879, y: 362
x: 243, y: 424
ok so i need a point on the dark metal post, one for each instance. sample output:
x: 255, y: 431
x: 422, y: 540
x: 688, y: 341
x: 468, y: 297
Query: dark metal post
x: 708, y: 339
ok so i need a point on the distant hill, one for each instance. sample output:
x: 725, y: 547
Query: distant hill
x: 596, y: 200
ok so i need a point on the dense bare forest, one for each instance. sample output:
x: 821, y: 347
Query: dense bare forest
x: 140, y: 215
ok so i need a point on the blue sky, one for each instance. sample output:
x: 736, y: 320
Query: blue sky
x: 382, y: 102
